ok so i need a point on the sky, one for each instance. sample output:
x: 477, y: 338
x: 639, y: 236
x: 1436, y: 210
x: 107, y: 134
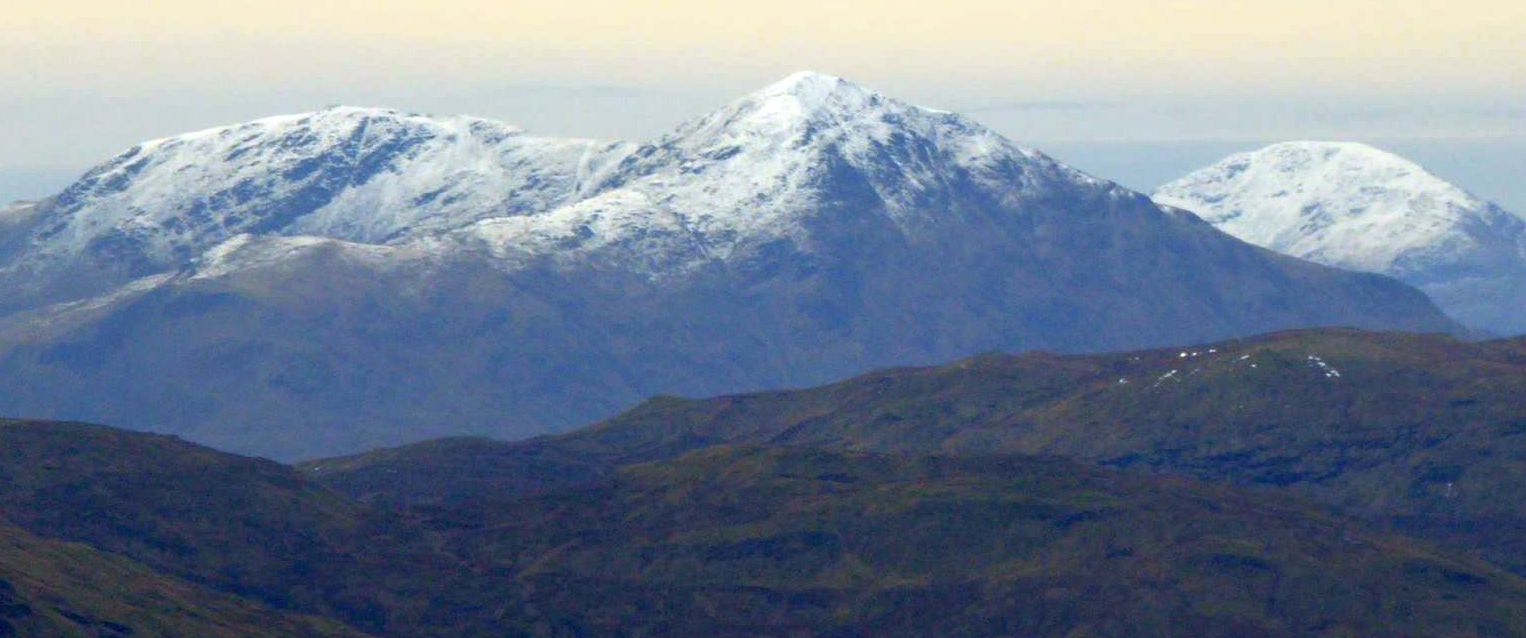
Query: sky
x: 1134, y: 90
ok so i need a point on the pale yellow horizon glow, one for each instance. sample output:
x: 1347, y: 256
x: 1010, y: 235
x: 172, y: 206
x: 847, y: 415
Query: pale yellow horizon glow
x: 1162, y: 45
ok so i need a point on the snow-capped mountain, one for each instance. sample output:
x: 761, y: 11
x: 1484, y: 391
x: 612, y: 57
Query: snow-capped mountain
x: 767, y: 168
x: 475, y: 279
x: 362, y: 175
x: 1357, y: 207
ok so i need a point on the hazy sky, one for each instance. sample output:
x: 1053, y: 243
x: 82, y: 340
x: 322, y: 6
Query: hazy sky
x: 83, y: 79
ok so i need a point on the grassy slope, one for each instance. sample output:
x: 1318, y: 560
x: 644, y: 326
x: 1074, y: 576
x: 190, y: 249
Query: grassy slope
x: 776, y: 541
x: 757, y: 541
x: 250, y: 527
x: 53, y: 588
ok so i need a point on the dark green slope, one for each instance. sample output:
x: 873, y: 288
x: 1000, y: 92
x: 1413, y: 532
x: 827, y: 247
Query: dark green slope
x: 795, y: 541
x: 1422, y: 431
x: 249, y: 527
x: 459, y: 469
x: 747, y: 541
x: 52, y: 588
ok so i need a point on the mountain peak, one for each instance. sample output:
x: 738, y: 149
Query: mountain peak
x: 1326, y: 146
x: 1356, y: 156
x: 352, y: 109
x: 1354, y: 206
x: 778, y: 161
x: 795, y: 107
x: 812, y: 87
x: 1282, y: 195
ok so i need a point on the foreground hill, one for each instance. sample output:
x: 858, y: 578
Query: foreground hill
x: 249, y: 527
x: 1425, y: 432
x: 745, y: 541
x: 1358, y: 207
x: 333, y: 282
x: 53, y: 588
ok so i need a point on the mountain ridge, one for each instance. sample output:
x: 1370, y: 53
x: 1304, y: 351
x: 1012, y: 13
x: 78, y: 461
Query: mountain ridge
x: 363, y: 175
x: 808, y: 231
x: 1417, y: 432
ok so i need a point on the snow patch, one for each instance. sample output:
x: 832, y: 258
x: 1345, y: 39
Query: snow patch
x: 1329, y: 371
